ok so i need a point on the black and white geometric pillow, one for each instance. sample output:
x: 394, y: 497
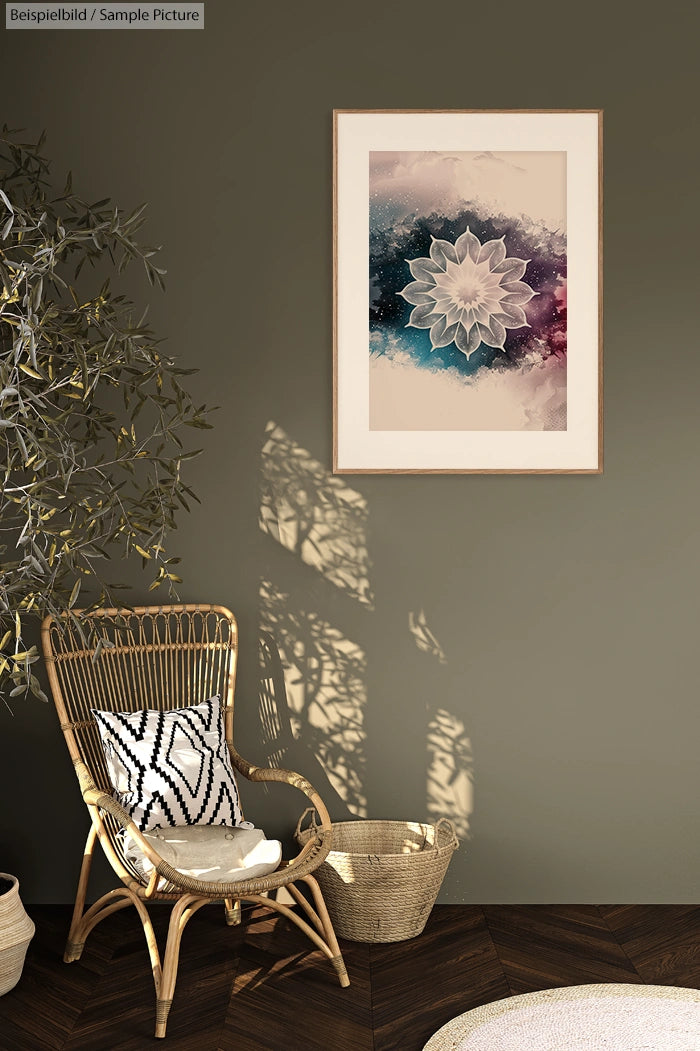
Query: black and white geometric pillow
x: 171, y: 768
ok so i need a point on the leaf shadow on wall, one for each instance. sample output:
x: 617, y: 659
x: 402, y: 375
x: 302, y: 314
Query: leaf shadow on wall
x: 281, y: 747
x: 318, y: 711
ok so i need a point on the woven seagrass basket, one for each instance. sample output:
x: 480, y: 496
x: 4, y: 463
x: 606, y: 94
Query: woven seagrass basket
x: 16, y: 932
x: 381, y: 878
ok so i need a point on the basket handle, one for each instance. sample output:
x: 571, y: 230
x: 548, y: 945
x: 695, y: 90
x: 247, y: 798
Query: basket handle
x: 313, y: 825
x: 447, y: 824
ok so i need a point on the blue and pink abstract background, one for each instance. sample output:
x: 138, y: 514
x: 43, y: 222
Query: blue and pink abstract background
x: 415, y: 197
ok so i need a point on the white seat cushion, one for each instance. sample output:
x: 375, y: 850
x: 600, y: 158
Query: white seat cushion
x: 215, y: 853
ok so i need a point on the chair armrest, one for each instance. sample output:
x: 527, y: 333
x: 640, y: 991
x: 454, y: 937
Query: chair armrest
x: 309, y: 858
x: 288, y: 777
x: 96, y: 798
x: 304, y: 863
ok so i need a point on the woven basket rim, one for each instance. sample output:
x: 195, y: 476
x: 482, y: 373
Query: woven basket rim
x: 12, y: 879
x: 426, y: 850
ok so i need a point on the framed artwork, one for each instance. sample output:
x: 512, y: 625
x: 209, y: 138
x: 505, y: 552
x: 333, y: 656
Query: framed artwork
x: 467, y: 291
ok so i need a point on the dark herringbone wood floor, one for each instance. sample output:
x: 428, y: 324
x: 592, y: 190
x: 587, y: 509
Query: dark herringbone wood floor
x: 257, y: 988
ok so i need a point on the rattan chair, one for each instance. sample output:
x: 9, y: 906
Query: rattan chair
x: 164, y: 658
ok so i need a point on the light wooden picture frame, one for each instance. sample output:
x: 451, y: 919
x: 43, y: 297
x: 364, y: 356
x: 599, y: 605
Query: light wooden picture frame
x: 467, y: 291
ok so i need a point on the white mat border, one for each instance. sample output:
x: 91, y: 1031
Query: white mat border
x: 449, y: 1036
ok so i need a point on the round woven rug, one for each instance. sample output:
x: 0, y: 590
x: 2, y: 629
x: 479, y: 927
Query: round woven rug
x: 580, y: 1018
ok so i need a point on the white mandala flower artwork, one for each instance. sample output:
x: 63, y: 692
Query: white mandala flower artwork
x: 467, y: 293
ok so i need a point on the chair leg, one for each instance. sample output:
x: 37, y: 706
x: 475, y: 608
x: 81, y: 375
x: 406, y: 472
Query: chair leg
x: 337, y: 956
x: 328, y: 944
x: 183, y: 910
x: 233, y: 912
x: 75, y: 943
x: 299, y: 898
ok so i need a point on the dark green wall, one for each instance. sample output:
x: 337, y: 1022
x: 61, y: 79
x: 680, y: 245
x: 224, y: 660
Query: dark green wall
x: 566, y: 606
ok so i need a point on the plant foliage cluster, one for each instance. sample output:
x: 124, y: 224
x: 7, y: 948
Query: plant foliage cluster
x: 91, y: 409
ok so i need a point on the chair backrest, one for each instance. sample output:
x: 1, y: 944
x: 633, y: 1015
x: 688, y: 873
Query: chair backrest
x: 157, y: 657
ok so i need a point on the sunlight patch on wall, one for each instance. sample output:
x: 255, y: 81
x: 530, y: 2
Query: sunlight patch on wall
x: 423, y: 636
x: 450, y: 771
x: 314, y: 514
x: 325, y: 682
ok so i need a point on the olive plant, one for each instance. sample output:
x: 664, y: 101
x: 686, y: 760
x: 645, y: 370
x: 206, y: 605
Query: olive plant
x: 90, y: 408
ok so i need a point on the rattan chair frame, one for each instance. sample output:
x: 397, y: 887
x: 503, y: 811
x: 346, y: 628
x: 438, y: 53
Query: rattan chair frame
x: 165, y: 657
